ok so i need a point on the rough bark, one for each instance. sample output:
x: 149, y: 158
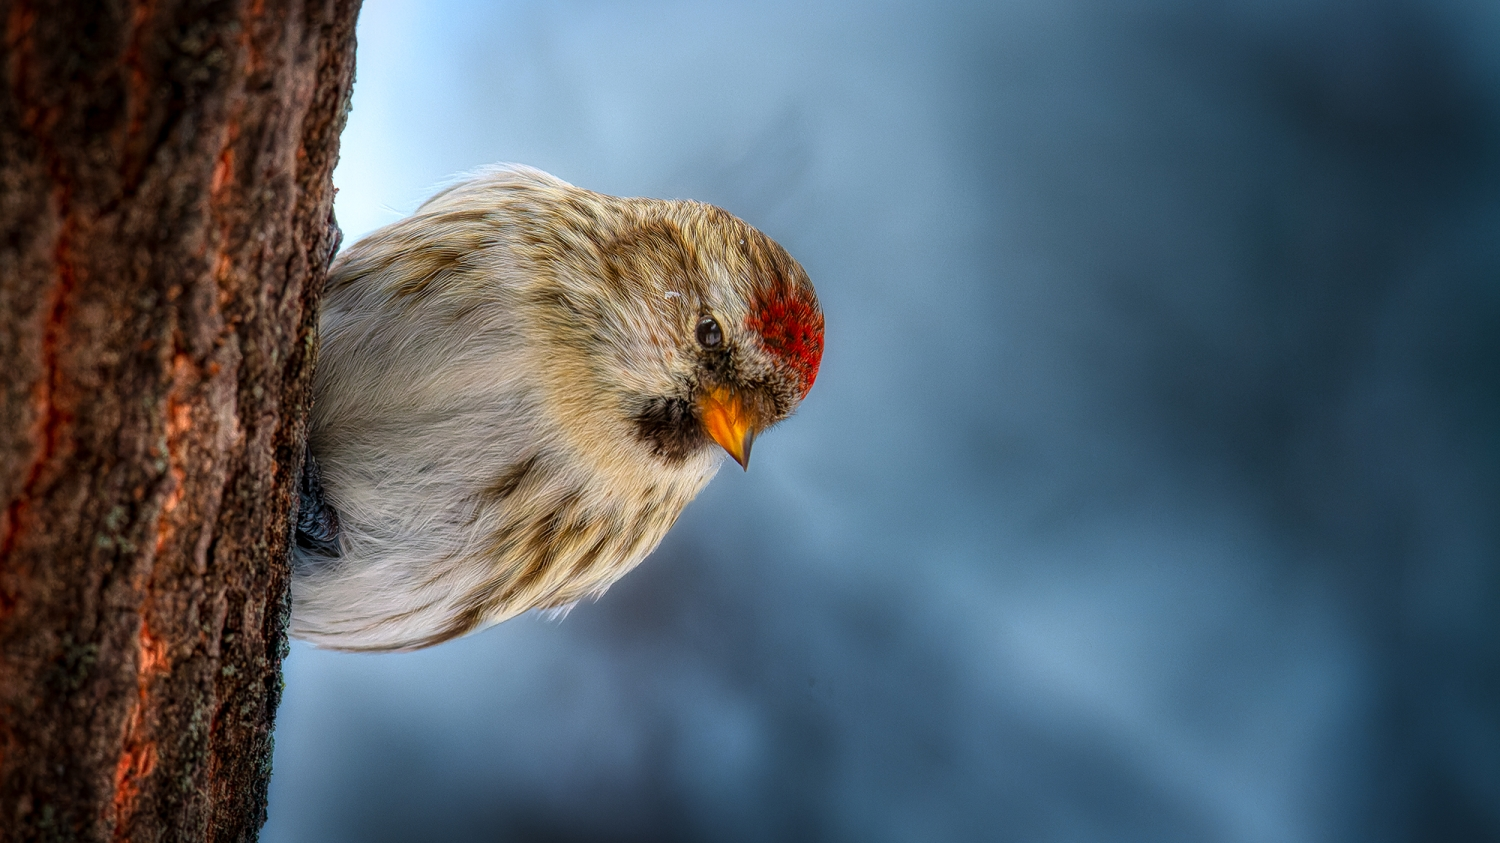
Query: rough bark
x: 165, y: 204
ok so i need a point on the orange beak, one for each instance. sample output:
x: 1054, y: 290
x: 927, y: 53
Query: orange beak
x: 725, y: 419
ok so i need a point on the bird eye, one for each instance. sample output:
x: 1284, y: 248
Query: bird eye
x: 709, y: 333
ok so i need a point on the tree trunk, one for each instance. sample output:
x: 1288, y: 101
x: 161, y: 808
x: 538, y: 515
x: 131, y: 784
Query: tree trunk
x: 166, y: 207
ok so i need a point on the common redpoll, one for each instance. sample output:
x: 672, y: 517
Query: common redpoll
x: 519, y: 389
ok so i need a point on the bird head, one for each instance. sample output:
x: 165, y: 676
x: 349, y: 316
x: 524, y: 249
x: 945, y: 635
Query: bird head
x: 743, y: 329
x: 670, y: 324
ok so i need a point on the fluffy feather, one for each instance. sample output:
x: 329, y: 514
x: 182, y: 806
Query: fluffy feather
x: 509, y: 399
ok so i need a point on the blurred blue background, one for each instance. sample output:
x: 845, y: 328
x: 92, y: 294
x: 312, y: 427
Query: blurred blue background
x: 1151, y: 487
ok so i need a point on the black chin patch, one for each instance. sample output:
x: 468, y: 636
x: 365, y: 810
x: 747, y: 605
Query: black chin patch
x: 670, y: 427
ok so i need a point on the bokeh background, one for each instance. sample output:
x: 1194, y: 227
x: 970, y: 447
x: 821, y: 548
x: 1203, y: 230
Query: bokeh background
x: 1151, y: 487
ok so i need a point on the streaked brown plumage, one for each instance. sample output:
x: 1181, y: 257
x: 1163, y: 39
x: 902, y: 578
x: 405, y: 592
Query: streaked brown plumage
x: 519, y: 389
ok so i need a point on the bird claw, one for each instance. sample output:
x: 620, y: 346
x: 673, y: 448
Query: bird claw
x: 317, y: 522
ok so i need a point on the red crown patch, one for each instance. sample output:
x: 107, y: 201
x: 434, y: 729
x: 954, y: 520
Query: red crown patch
x: 791, y: 327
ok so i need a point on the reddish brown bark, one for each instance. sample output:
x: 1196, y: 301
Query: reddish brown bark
x: 165, y: 204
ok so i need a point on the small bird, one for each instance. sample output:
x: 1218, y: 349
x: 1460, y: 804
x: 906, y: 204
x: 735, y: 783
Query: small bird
x: 519, y: 388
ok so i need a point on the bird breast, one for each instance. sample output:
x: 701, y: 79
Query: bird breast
x: 465, y: 495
